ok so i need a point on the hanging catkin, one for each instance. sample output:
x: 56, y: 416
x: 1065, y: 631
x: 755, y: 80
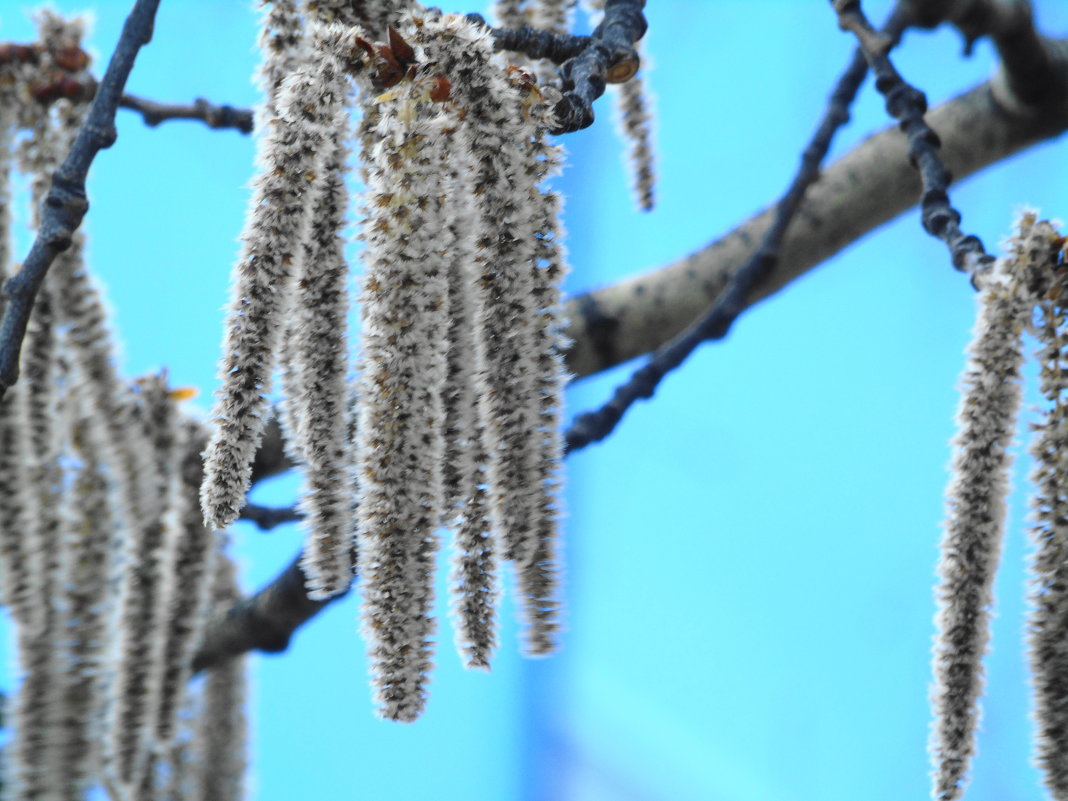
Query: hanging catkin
x: 1049, y: 509
x: 274, y: 239
x: 401, y: 417
x: 457, y: 225
x: 975, y: 500
x: 457, y: 402
x: 319, y: 355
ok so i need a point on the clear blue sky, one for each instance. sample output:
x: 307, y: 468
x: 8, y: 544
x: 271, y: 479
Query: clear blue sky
x: 750, y: 557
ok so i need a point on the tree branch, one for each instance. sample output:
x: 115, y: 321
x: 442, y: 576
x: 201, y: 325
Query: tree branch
x: 616, y: 323
x: 66, y: 204
x: 609, y: 57
x: 263, y: 622
x: 908, y: 105
x: 210, y: 114
x: 267, y: 517
x: 716, y: 322
x: 1033, y: 65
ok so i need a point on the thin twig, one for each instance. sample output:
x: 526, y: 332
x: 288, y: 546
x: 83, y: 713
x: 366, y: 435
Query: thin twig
x: 587, y: 63
x: 268, y: 517
x: 533, y: 43
x: 594, y: 426
x: 66, y: 204
x: 907, y: 104
x: 609, y: 57
x: 210, y: 114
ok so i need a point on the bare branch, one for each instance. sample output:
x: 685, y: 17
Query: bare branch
x: 271, y: 458
x: 210, y: 114
x: 262, y: 622
x: 267, y: 517
x: 66, y: 204
x: 1033, y: 66
x: 609, y: 57
x: 594, y: 426
x: 533, y: 43
x: 908, y: 105
x: 616, y: 323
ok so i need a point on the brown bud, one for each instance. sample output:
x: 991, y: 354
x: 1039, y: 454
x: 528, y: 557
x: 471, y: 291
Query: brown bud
x: 401, y: 49
x: 441, y: 88
x: 71, y: 59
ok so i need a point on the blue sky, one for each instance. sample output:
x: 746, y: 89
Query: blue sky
x: 750, y: 557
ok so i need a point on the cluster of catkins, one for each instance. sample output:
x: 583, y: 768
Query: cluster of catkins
x: 1027, y: 291
x: 453, y: 420
x: 107, y: 568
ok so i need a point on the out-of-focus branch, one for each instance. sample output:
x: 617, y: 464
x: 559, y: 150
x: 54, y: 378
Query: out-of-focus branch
x: 716, y: 322
x: 210, y: 114
x: 861, y: 191
x: 268, y: 517
x: 262, y: 622
x: 609, y: 57
x: 1024, y: 104
x: 1033, y: 66
x: 66, y: 204
x: 271, y: 458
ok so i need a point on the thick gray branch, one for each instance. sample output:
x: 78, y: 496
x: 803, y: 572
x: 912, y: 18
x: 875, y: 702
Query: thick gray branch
x: 864, y: 189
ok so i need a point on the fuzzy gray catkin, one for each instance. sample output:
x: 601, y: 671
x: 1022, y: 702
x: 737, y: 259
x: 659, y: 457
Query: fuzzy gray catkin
x: 281, y: 41
x: 554, y: 15
x: 474, y: 582
x: 504, y: 224
x: 539, y: 578
x: 401, y: 419
x: 319, y: 354
x: 474, y: 585
x: 220, y: 736
x: 274, y: 239
x: 86, y: 554
x: 975, y: 501
x: 36, y: 755
x: 91, y: 459
x: 510, y: 13
x: 137, y: 672
x: 262, y: 276
x: 1049, y: 510
x: 375, y: 15
x: 635, y: 123
x: 189, y: 551
x: 283, y: 45
x: 454, y: 178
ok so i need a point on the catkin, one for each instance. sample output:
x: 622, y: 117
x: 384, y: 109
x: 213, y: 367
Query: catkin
x: 401, y: 421
x: 1049, y: 510
x: 975, y: 500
